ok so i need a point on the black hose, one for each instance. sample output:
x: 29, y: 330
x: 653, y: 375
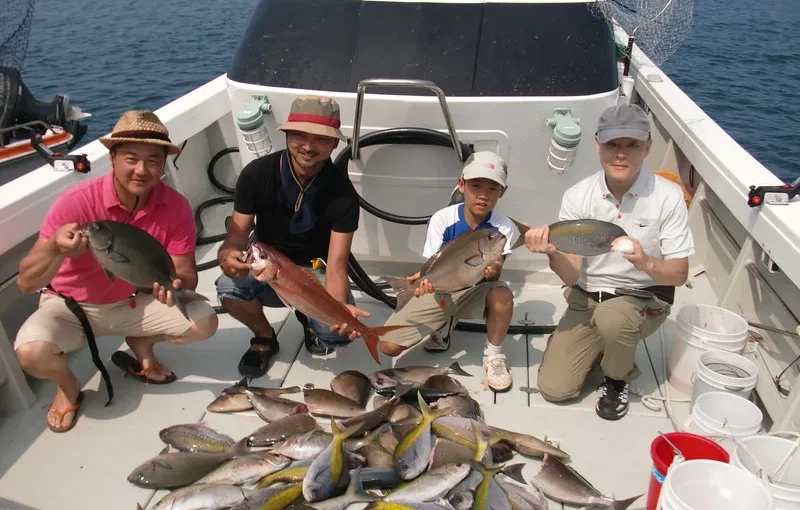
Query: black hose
x: 214, y: 201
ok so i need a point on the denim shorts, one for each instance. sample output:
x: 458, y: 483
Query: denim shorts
x: 247, y: 289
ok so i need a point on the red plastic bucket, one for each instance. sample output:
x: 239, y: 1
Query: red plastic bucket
x: 691, y: 446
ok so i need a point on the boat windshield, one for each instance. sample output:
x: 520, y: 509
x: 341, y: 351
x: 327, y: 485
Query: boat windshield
x: 468, y: 49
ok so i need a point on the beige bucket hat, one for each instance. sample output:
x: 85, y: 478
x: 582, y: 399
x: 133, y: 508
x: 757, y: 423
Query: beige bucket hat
x: 316, y: 115
x: 140, y: 126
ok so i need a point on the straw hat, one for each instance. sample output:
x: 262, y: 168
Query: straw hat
x: 316, y: 115
x: 140, y: 126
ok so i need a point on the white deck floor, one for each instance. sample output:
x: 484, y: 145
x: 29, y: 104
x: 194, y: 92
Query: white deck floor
x: 87, y: 467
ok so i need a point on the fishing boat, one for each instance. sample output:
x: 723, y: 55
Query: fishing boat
x: 420, y: 86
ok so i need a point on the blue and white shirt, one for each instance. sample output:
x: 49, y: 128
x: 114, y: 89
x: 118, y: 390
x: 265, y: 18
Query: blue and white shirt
x: 448, y: 223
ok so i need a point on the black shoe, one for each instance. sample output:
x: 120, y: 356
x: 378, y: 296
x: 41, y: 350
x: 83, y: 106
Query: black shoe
x: 313, y: 344
x: 613, y: 403
x: 255, y: 363
x: 436, y: 343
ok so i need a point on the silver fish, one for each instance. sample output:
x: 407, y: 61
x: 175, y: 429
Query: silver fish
x: 586, y: 237
x: 201, y: 497
x: 274, y: 408
x: 244, y: 470
x: 276, y: 496
x: 371, y: 419
x: 413, y: 376
x: 233, y: 398
x: 329, y: 471
x: 328, y: 403
x: 488, y: 494
x: 522, y: 498
x: 354, y: 494
x: 134, y: 256
x: 457, y: 265
x: 282, y: 429
x: 195, y: 437
x: 303, y: 446
x: 562, y: 483
x: 177, y: 469
x: 353, y: 385
x: 431, y: 485
x: 529, y: 445
x: 414, y: 451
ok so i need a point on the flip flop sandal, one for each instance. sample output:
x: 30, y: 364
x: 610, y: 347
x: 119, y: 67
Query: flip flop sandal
x: 60, y: 414
x: 254, y: 363
x: 133, y: 368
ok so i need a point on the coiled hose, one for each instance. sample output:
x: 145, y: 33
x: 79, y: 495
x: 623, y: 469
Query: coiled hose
x: 360, y: 279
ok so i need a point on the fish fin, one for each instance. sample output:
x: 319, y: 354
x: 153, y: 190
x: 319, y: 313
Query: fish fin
x: 139, y: 507
x: 291, y: 389
x: 373, y: 438
x: 165, y: 450
x: 117, y: 256
x: 372, y: 336
x: 427, y: 414
x: 623, y: 504
x: 240, y: 448
x: 337, y: 460
x: 480, y: 442
x: 190, y: 295
x: 401, y: 389
x: 109, y: 274
x: 514, y: 472
x: 404, y: 289
x: 456, y: 369
x: 474, y: 261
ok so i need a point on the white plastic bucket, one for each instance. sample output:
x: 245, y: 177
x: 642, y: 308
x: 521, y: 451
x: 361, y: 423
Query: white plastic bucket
x: 702, y: 328
x: 702, y: 484
x: 770, y: 452
x: 724, y: 371
x: 717, y: 413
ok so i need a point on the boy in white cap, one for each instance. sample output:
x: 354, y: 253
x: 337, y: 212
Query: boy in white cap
x: 482, y: 182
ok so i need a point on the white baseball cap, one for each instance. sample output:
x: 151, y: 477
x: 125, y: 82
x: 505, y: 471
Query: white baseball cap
x: 485, y: 164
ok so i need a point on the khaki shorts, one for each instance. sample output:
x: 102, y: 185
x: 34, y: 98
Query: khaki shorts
x: 53, y: 322
x: 464, y: 304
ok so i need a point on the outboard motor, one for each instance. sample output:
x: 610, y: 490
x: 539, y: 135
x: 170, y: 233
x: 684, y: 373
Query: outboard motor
x: 18, y: 106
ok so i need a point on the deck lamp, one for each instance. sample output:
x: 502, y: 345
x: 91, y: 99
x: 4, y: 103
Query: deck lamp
x: 565, y: 141
x: 250, y: 120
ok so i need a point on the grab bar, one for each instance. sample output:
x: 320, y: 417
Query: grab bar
x: 424, y: 84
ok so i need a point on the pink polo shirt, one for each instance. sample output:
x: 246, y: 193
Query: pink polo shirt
x: 167, y: 216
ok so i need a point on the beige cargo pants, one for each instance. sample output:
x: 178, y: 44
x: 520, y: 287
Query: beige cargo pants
x: 589, y: 332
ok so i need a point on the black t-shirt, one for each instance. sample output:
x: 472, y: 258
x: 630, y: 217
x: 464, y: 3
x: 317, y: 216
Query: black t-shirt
x: 336, y: 208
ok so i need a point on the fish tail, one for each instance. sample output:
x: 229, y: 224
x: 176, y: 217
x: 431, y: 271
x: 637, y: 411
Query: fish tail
x: 522, y: 229
x: 372, y: 337
x: 456, y: 369
x: 625, y: 503
x: 427, y: 414
x: 480, y: 442
x: 404, y: 289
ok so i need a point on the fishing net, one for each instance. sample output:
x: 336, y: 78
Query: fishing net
x: 657, y: 27
x: 15, y: 26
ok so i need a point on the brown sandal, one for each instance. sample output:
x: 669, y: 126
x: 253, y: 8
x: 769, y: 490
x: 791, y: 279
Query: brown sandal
x: 60, y: 414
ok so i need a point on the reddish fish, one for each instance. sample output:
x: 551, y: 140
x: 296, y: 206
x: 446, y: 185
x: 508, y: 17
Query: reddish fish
x: 302, y: 290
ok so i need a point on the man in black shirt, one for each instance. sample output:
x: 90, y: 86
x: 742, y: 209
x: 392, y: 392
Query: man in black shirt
x: 307, y: 209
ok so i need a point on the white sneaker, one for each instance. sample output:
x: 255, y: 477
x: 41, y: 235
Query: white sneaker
x: 497, y: 372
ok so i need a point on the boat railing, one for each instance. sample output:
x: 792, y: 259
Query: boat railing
x: 24, y: 125
x: 399, y: 83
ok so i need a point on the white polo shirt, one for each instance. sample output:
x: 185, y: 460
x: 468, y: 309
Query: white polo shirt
x: 653, y: 211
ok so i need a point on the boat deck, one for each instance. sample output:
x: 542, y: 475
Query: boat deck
x: 88, y: 466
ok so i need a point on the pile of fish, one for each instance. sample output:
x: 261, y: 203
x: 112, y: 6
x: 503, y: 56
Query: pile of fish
x: 423, y: 445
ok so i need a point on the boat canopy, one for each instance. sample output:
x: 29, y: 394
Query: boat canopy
x: 467, y: 49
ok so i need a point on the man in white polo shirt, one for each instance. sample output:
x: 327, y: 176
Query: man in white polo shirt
x: 615, y: 300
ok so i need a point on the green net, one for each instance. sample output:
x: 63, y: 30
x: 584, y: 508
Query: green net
x: 15, y: 27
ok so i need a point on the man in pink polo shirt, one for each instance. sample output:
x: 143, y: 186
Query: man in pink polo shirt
x: 78, y: 288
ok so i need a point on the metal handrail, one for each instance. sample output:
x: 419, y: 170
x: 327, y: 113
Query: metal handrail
x: 23, y: 125
x: 424, y: 84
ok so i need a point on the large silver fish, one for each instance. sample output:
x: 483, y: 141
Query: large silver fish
x: 413, y: 452
x: 276, y: 496
x: 562, y: 483
x: 233, y: 398
x: 244, y: 470
x: 330, y: 470
x: 177, y: 469
x: 322, y: 402
x: 134, y: 256
x: 274, y: 408
x: 416, y: 375
x: 431, y: 485
x: 586, y: 237
x: 195, y: 497
x: 282, y: 429
x: 195, y: 437
x: 522, y: 498
x: 457, y: 265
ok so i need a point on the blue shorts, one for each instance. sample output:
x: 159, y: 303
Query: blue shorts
x: 247, y: 289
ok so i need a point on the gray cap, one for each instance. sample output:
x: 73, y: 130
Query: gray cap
x: 623, y: 121
x: 487, y: 165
